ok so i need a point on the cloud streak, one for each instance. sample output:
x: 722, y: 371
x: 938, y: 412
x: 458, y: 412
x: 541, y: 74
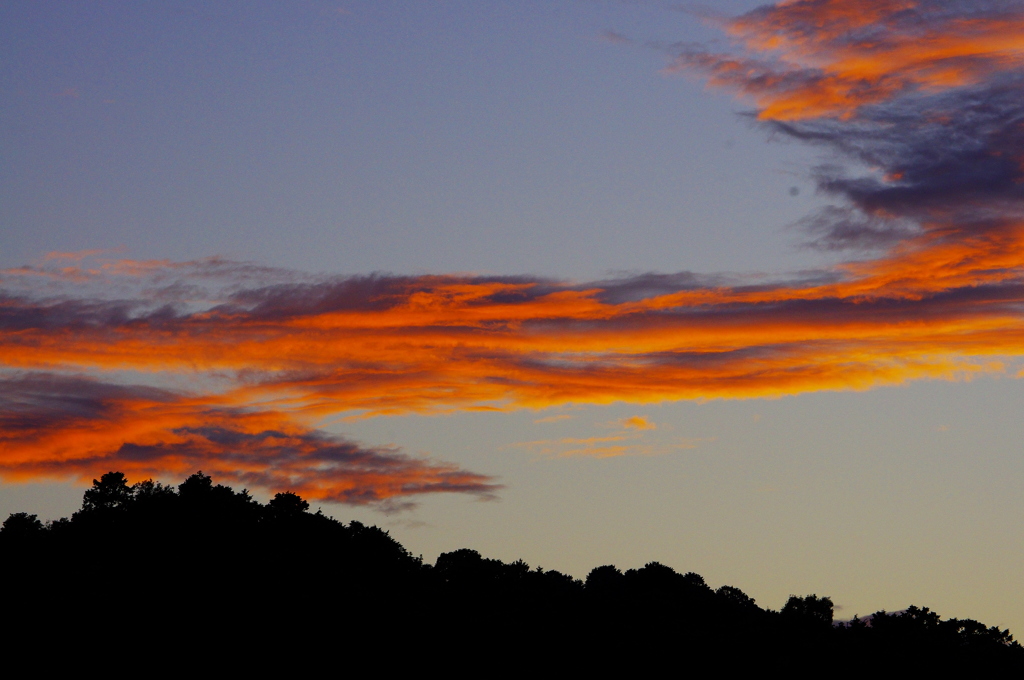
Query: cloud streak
x: 807, y: 59
x: 59, y: 427
x: 390, y: 345
x: 925, y: 95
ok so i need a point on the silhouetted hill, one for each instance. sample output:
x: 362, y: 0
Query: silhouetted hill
x: 161, y: 570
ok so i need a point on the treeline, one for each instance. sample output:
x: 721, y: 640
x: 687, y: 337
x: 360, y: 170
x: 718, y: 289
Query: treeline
x: 149, y: 566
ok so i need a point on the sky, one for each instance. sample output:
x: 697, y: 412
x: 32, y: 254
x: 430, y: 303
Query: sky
x: 737, y: 290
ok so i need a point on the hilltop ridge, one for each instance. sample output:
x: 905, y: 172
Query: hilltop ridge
x: 149, y: 562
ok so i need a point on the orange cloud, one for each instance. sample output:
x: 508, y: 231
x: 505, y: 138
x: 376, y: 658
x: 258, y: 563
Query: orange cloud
x: 60, y: 427
x: 553, y: 419
x: 831, y: 57
x: 638, y: 423
x: 932, y: 309
x: 76, y: 256
x: 613, y: 446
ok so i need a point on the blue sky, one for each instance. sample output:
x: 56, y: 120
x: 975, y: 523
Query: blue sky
x: 410, y: 138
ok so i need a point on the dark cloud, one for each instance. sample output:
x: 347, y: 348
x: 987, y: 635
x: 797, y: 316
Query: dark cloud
x: 37, y: 402
x: 54, y: 426
x: 630, y: 287
x: 835, y: 228
x: 946, y: 156
x: 927, y: 96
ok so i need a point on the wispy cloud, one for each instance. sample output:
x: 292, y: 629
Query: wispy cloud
x: 638, y: 423
x: 614, y: 37
x: 806, y: 59
x: 553, y: 419
x: 74, y: 256
x: 389, y: 345
x: 628, y: 438
x: 925, y: 93
x: 65, y: 427
x: 610, y: 446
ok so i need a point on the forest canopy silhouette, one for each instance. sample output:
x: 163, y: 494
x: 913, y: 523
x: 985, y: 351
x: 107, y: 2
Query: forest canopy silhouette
x: 205, y: 559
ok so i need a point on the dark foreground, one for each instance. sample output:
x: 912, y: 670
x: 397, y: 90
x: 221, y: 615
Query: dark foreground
x: 202, y: 576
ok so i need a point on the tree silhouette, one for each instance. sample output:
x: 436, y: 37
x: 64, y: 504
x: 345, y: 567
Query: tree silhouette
x: 287, y: 505
x: 605, y: 580
x: 150, y: 562
x: 809, y: 610
x: 21, y: 524
x: 736, y: 597
x: 109, y: 492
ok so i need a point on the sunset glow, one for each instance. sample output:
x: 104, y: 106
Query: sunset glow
x: 94, y: 346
